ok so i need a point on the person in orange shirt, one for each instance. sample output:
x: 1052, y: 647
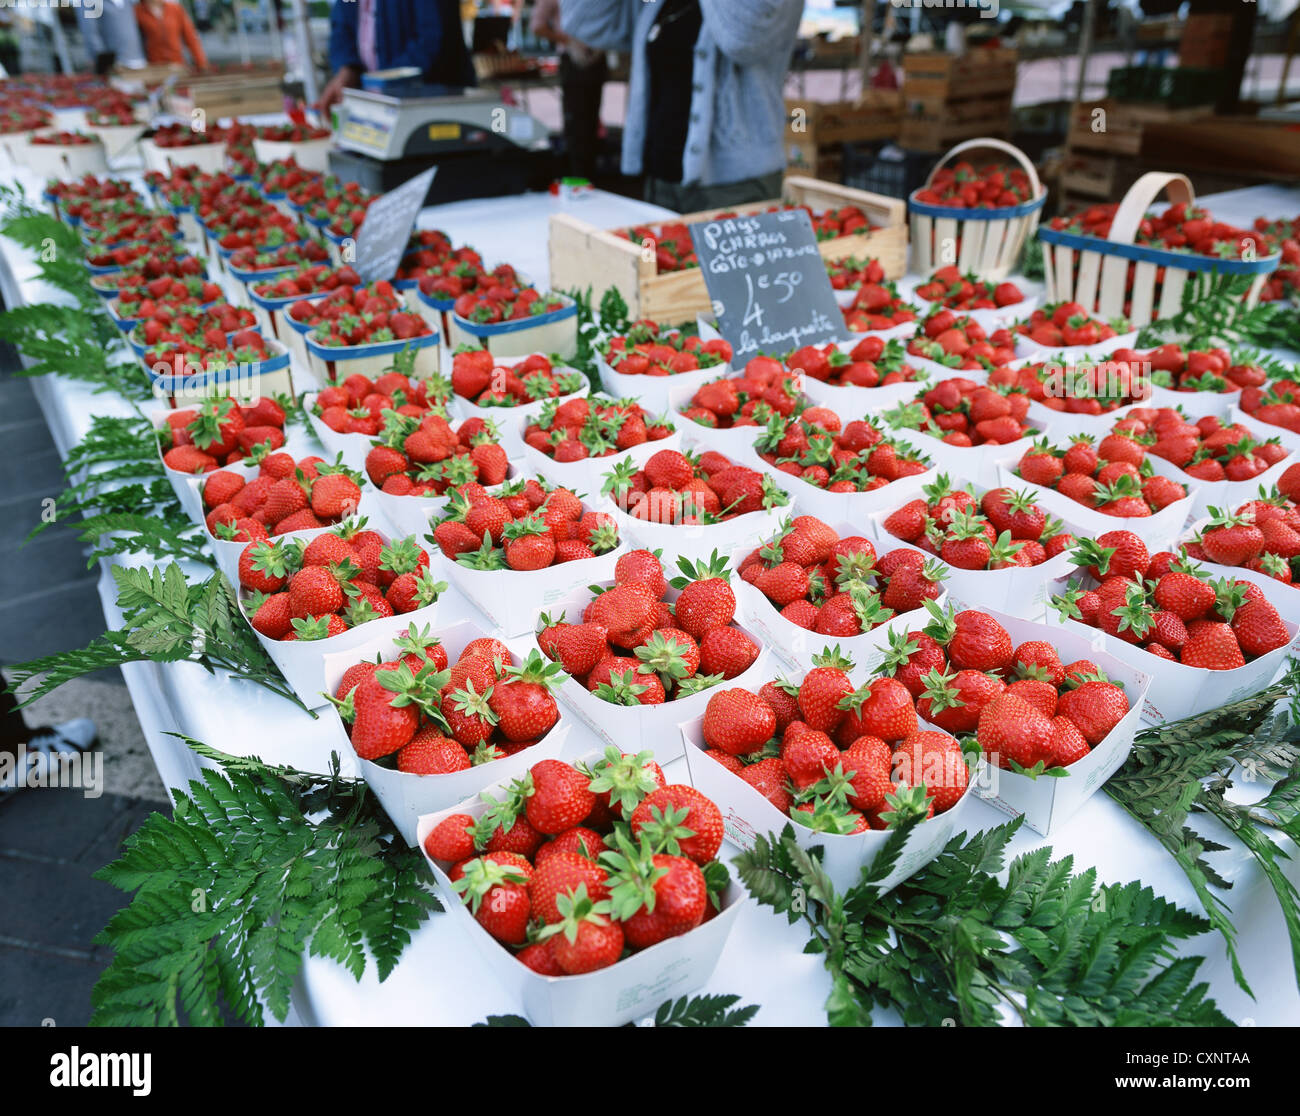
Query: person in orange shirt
x: 164, y: 25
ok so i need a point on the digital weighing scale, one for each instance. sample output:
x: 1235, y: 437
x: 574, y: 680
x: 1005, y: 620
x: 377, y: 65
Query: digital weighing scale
x: 481, y: 146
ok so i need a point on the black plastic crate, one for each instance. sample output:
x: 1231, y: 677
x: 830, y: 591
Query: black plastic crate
x: 885, y: 168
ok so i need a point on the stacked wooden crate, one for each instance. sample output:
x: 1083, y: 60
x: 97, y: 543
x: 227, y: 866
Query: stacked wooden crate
x: 816, y: 131
x: 583, y: 255
x: 948, y: 98
x: 246, y: 93
x: 1103, y: 143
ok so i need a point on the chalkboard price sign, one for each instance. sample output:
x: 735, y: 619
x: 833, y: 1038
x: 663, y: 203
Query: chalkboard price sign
x: 767, y: 282
x: 381, y: 243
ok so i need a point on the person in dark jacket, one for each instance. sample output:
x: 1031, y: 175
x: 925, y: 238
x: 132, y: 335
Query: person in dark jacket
x: 385, y: 34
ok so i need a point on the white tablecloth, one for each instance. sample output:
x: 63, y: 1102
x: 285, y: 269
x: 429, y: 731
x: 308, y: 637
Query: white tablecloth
x: 441, y: 978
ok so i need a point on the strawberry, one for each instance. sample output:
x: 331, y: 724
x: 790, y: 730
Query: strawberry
x: 1258, y: 628
x: 1069, y: 745
x: 973, y: 639
x: 1012, y: 731
x: 1231, y: 540
x: 706, y: 600
x: 933, y: 760
x: 586, y: 937
x: 580, y: 647
x: 881, y: 708
x: 497, y: 896
x: 558, y: 796
x: 1095, y: 707
x: 1184, y: 594
x: 429, y: 752
x: 737, y: 722
x: 451, y: 839
x: 522, y: 700
x: 678, y: 819
x: 727, y: 652
x: 823, y: 690
x: 559, y: 874
x: 657, y: 898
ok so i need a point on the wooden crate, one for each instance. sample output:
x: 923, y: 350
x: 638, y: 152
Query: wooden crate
x: 938, y: 133
x: 236, y: 95
x: 877, y: 115
x: 1104, y: 177
x: 1244, y: 145
x: 940, y: 77
x: 1124, y: 125
x: 826, y: 162
x: 583, y: 255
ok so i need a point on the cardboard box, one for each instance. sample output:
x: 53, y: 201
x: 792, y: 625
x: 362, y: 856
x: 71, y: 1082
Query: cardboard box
x: 650, y: 728
x: 1178, y: 691
x: 587, y: 475
x: 796, y: 646
x: 583, y: 255
x: 1048, y: 801
x: 746, y: 814
x: 406, y: 797
x: 1158, y: 531
x: 1017, y: 591
x: 610, y: 997
x: 512, y: 599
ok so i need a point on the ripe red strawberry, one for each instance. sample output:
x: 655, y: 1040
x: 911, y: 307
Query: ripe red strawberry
x: 580, y: 647
x: 726, y: 651
x: 559, y: 796
x: 680, y: 820
x: 562, y: 873
x: 522, y: 699
x: 1231, y: 540
x: 643, y: 566
x: 380, y: 728
x: 315, y: 591
x: 707, y: 601
x: 451, y: 839
x: 974, y: 640
x: 581, y: 840
x: 1185, y: 595
x: 429, y: 752
x: 737, y: 722
x: 587, y: 938
x: 933, y: 760
x: 868, y: 763
x: 1095, y: 707
x: 1069, y: 745
x: 680, y: 897
x: 1211, y: 645
x: 1011, y: 729
x: 1259, y: 628
x: 1038, y: 659
x: 768, y: 778
x: 823, y: 689
x: 882, y: 708
x: 498, y: 898
x: 334, y: 496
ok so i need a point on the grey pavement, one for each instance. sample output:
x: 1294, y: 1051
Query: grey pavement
x: 52, y: 841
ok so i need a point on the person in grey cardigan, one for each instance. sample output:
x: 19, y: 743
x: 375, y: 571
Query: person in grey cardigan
x: 705, y: 111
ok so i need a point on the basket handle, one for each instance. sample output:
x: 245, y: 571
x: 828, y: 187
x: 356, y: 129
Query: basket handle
x: 1124, y: 225
x: 997, y: 145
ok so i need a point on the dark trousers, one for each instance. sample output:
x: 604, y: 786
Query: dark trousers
x: 694, y: 198
x: 13, y: 729
x: 580, y: 88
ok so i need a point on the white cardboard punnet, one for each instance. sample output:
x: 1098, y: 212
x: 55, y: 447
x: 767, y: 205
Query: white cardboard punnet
x: 696, y: 541
x: 1018, y: 591
x: 511, y: 599
x: 1158, y: 531
x: 653, y: 392
x: 406, y: 797
x: 586, y: 475
x: 610, y: 997
x: 646, y: 727
x: 1178, y: 691
x: 1048, y: 802
x: 746, y: 814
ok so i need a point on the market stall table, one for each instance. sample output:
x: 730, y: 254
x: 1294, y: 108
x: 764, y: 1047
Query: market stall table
x: 441, y: 978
